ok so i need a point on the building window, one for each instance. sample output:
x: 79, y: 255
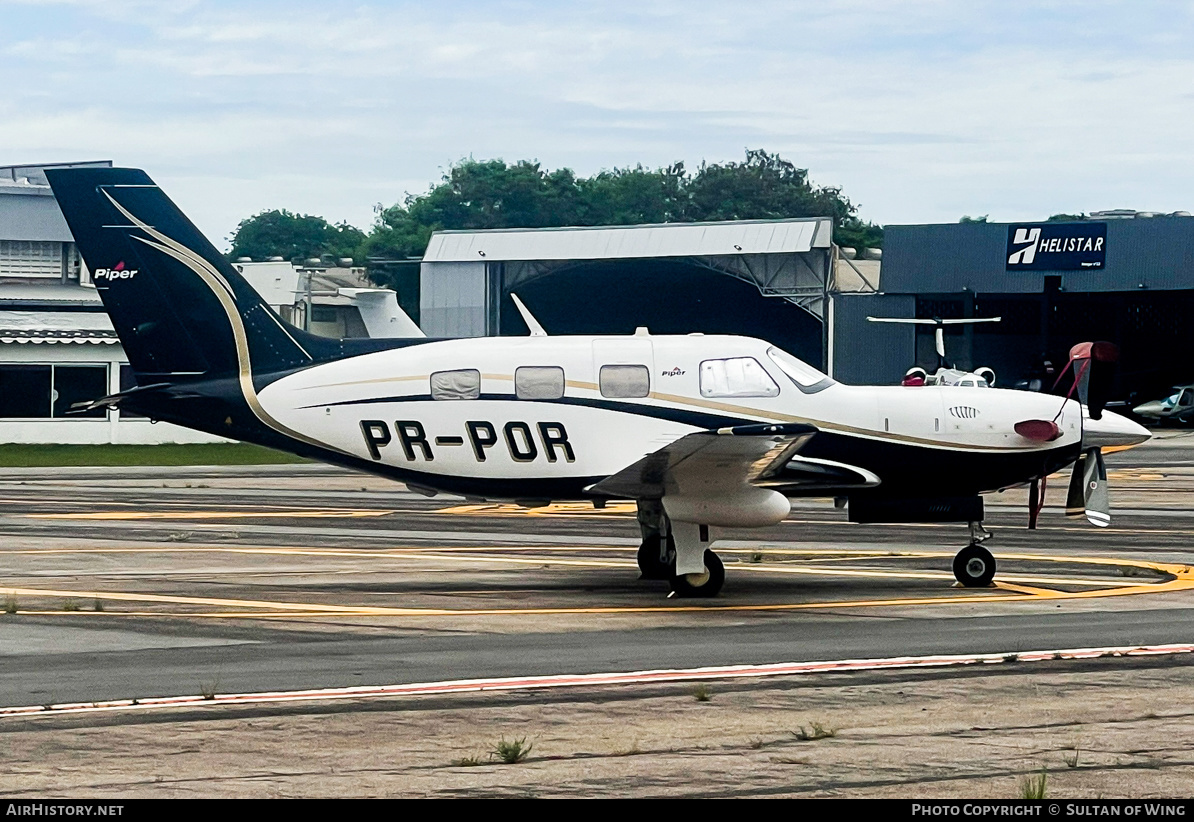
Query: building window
x: 79, y: 383
x: 25, y: 258
x: 464, y: 384
x: 625, y: 381
x: 736, y: 377
x: 25, y: 390
x: 539, y: 382
x: 42, y: 391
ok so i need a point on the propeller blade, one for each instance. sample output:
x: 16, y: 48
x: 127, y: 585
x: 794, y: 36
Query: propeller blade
x: 1098, y: 503
x: 1094, y: 373
x: 1075, y: 498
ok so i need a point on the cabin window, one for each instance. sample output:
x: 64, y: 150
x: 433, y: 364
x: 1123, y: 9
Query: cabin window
x: 463, y: 384
x: 736, y: 377
x: 539, y: 382
x: 625, y: 381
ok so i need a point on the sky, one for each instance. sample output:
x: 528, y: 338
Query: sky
x: 919, y: 111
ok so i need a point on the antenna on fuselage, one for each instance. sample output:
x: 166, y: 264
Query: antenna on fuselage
x: 528, y: 318
x: 940, y: 335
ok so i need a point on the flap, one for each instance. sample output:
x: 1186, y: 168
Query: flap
x: 725, y: 458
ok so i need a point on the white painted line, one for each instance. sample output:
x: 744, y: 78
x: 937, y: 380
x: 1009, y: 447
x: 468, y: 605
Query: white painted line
x: 578, y: 680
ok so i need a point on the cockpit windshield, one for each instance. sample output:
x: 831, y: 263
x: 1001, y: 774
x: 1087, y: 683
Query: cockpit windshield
x: 807, y: 379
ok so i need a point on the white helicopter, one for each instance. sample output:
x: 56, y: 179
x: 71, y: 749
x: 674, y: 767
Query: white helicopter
x: 702, y: 432
x: 983, y: 377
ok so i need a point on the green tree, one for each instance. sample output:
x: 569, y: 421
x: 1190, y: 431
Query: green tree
x: 1066, y: 218
x: 626, y: 196
x: 294, y: 237
x: 763, y: 187
x: 966, y: 218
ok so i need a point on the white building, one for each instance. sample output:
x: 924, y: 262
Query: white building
x: 57, y: 345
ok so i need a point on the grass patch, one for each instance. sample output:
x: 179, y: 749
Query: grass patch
x: 470, y: 761
x: 98, y: 606
x: 70, y: 605
x: 1034, y: 787
x: 1071, y: 758
x: 702, y: 693
x: 814, y: 732
x: 208, y: 689
x: 39, y: 456
x: 513, y: 751
x: 10, y: 603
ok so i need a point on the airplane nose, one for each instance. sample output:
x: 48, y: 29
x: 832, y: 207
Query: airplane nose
x: 1112, y: 431
x: 1151, y: 408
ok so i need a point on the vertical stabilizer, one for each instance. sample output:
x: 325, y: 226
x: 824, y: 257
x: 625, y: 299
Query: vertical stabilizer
x: 180, y: 310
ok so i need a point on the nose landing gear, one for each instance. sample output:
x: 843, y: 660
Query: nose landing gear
x: 974, y: 565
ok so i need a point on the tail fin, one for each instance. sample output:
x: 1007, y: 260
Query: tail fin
x: 180, y: 310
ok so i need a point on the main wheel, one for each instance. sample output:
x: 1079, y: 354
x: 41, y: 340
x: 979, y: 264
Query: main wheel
x: 649, y: 563
x: 974, y: 566
x: 707, y: 584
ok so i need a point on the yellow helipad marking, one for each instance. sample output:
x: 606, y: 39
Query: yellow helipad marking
x: 1182, y: 578
x: 172, y: 515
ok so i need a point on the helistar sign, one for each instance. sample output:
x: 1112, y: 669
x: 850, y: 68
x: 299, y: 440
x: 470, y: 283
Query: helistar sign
x: 1056, y: 246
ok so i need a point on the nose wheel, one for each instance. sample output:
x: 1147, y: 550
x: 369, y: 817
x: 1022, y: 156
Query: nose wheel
x: 974, y: 566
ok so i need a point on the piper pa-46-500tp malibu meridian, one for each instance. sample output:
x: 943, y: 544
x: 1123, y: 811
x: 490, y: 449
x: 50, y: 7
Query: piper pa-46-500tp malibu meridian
x: 703, y: 432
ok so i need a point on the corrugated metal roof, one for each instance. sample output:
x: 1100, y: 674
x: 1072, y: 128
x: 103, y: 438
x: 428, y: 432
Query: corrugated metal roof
x: 632, y: 242
x: 9, y: 335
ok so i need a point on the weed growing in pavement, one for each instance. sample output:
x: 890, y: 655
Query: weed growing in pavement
x: 471, y: 761
x: 98, y: 606
x: 70, y: 605
x: 1034, y: 787
x: 702, y: 693
x: 1071, y: 758
x: 814, y: 732
x: 208, y: 689
x: 512, y: 751
x: 10, y: 604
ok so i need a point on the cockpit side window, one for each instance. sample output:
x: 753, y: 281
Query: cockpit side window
x: 462, y: 384
x: 808, y: 379
x: 736, y: 377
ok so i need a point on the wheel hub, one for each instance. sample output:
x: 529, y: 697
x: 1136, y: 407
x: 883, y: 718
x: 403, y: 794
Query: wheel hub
x: 975, y: 567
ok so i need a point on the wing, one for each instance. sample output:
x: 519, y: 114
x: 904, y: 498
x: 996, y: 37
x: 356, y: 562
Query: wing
x: 765, y: 456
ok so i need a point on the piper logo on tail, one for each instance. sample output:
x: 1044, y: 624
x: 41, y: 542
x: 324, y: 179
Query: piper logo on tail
x: 116, y: 272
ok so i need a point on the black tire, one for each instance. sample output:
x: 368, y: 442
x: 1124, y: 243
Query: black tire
x: 974, y: 566
x: 682, y: 586
x: 649, y: 563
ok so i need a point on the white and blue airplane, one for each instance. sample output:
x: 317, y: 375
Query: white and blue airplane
x: 702, y: 432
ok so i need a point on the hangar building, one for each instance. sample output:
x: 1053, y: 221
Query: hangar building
x: 1122, y: 276
x: 766, y: 278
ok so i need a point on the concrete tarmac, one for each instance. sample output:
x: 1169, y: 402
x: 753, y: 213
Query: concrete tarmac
x: 137, y: 583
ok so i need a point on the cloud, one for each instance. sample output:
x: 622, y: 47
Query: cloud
x: 921, y: 111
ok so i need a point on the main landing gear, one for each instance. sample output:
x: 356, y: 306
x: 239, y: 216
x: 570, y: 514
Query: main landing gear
x: 677, y: 552
x: 974, y: 565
